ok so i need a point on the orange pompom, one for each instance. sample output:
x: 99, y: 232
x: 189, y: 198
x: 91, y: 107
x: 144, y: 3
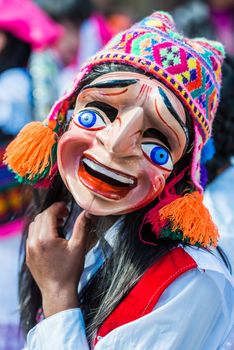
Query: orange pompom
x: 30, y: 152
x: 192, y: 218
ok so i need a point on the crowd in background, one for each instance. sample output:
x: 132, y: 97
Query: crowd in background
x: 43, y: 44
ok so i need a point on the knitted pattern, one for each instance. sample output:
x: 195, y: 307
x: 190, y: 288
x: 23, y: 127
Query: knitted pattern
x: 191, y: 68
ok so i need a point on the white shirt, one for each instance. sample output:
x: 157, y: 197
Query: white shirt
x: 219, y: 199
x: 196, y: 312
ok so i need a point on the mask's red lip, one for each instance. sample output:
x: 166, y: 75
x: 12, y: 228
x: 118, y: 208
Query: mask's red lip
x: 88, y: 156
x: 102, y: 184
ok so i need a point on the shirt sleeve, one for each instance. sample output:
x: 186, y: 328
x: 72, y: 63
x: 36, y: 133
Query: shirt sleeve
x: 62, y: 331
x: 189, y: 315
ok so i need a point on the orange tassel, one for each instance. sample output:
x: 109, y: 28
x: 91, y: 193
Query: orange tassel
x: 189, y: 215
x: 30, y: 152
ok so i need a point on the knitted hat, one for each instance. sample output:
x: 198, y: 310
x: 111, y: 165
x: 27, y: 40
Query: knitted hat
x: 190, y: 68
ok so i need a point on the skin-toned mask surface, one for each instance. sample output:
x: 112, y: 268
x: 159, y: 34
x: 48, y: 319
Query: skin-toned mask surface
x: 126, y: 134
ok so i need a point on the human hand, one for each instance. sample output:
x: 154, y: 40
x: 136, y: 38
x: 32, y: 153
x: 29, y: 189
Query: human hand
x: 56, y: 263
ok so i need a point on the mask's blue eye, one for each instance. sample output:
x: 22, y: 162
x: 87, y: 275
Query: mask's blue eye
x: 158, y: 155
x: 89, y: 119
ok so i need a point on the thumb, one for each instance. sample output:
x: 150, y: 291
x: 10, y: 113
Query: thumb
x: 81, y: 229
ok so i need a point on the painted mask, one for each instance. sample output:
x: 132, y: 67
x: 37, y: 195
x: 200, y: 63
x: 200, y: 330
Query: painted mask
x: 126, y: 134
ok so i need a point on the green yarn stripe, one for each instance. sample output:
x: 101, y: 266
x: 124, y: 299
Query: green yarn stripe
x: 33, y: 181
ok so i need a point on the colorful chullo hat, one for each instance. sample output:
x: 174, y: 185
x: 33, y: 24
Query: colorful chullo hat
x: 191, y: 68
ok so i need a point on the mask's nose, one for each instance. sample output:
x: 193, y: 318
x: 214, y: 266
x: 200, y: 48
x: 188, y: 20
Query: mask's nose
x: 123, y: 136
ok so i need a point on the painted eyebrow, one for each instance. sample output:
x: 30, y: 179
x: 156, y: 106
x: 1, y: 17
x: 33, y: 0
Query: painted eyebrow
x: 174, y: 113
x: 109, y: 110
x: 111, y: 84
x: 154, y: 133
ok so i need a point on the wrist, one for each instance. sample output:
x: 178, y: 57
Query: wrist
x: 58, y: 301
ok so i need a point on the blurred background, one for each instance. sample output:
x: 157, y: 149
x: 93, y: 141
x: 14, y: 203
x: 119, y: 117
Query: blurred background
x: 43, y: 44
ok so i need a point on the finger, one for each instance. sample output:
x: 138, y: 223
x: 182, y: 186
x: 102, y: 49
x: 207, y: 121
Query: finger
x: 51, y: 218
x: 31, y: 240
x: 57, y: 210
x: 30, y: 230
x: 35, y: 228
x: 45, y: 224
x: 80, y: 229
x: 38, y: 217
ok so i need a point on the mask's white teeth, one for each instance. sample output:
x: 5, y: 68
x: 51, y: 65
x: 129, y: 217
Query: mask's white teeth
x: 107, y: 172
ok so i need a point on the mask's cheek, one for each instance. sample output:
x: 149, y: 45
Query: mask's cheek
x: 150, y: 183
x: 70, y: 149
x: 158, y: 183
x: 154, y: 175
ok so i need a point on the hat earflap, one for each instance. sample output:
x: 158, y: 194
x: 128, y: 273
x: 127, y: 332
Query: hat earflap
x: 187, y: 216
x: 31, y: 155
x: 182, y: 217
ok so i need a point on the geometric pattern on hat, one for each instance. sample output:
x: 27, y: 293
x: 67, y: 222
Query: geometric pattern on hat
x: 191, y: 68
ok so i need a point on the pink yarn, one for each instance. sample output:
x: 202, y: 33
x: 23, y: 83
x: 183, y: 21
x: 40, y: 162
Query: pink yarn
x: 167, y: 196
x: 195, y: 168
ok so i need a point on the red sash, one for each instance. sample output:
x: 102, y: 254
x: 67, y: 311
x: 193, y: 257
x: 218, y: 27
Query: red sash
x: 144, y: 295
